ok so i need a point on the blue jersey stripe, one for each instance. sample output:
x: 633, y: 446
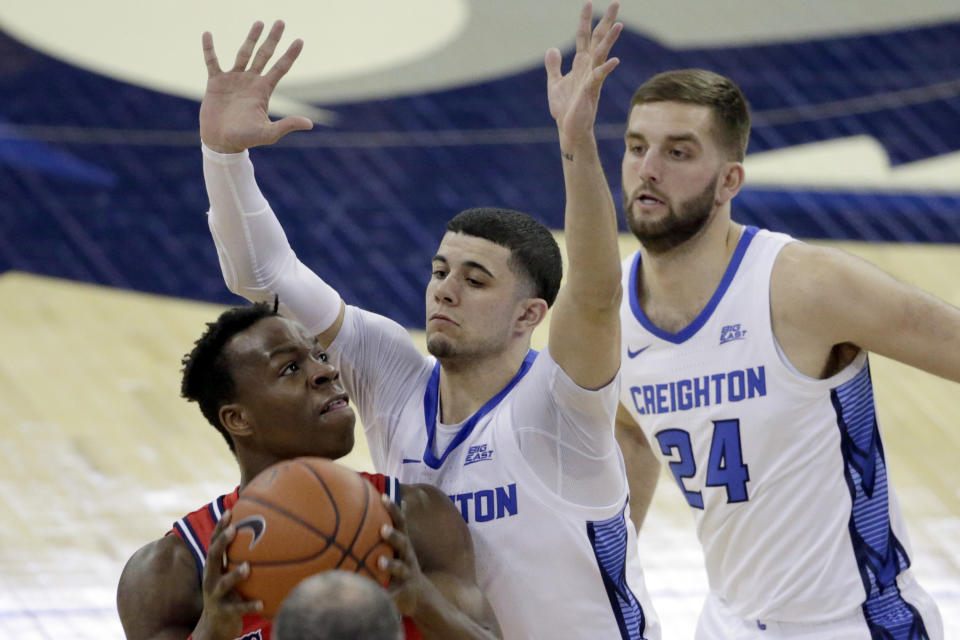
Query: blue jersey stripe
x: 691, y: 329
x: 609, y: 541
x: 880, y: 556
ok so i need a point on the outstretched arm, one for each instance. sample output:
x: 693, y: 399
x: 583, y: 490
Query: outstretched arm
x: 433, y: 577
x: 822, y: 297
x: 585, y: 327
x: 255, y: 256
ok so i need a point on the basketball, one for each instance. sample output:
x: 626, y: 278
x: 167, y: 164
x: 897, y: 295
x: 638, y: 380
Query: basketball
x: 303, y: 516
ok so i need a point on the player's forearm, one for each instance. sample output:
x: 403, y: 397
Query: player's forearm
x: 590, y: 227
x: 255, y: 256
x: 438, y: 619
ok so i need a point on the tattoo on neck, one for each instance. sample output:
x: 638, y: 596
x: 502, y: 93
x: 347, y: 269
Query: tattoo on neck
x: 567, y: 156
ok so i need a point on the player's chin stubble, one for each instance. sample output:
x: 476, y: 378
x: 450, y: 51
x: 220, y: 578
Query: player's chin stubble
x: 674, y: 228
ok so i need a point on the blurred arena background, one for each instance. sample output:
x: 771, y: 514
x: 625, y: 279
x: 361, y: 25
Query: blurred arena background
x: 107, y: 271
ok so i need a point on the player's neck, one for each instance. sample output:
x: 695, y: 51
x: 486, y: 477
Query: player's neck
x: 676, y: 285
x: 251, y: 463
x: 467, y: 386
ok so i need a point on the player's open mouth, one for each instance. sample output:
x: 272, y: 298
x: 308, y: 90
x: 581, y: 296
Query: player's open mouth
x: 337, y: 403
x: 647, y: 200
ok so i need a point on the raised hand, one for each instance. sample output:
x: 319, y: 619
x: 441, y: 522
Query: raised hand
x: 573, y: 97
x: 234, y: 112
x: 223, y: 608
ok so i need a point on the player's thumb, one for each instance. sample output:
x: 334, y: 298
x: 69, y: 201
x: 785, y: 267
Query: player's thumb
x: 284, y: 126
x: 552, y: 63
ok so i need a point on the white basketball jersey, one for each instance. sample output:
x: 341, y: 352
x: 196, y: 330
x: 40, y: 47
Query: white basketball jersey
x: 550, y: 568
x: 785, y: 474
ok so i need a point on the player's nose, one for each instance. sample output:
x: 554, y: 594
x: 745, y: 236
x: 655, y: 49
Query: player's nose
x: 323, y: 373
x: 446, y: 290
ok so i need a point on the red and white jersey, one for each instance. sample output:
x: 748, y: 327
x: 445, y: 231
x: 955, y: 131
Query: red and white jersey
x: 196, y: 528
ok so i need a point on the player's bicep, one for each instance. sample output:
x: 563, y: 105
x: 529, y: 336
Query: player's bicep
x: 585, y: 340
x: 844, y: 299
x: 158, y: 596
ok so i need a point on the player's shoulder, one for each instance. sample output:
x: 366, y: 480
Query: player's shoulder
x: 159, y: 583
x: 808, y: 271
x: 166, y: 556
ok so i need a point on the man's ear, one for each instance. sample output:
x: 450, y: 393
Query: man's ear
x: 730, y: 182
x: 532, y: 313
x: 235, y: 420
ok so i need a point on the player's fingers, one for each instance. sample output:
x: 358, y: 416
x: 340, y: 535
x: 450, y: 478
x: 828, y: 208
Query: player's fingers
x: 228, y: 581
x: 246, y: 49
x: 241, y: 607
x: 209, y: 55
x: 265, y: 52
x: 280, y: 68
x: 216, y: 538
x: 396, y: 539
x: 393, y: 509
x: 603, y: 27
x: 222, y: 535
x: 397, y: 569
x: 604, y: 70
x: 551, y: 61
x: 583, y: 29
x: 603, y: 49
x: 600, y: 74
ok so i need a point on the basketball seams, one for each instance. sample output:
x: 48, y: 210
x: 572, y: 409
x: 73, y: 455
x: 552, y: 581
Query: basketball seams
x: 363, y: 519
x: 319, y: 478
x: 329, y: 528
x: 346, y: 551
x: 331, y: 541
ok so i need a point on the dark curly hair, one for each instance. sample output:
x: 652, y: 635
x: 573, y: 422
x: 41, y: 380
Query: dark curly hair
x: 534, y: 253
x: 206, y: 374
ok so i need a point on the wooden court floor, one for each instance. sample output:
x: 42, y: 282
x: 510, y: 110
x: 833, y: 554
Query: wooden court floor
x: 99, y: 454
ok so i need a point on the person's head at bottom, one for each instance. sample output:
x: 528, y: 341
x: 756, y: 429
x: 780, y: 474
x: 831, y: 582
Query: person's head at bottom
x: 338, y: 605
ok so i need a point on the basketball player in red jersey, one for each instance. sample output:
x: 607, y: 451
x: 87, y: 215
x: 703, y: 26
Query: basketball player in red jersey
x: 265, y: 383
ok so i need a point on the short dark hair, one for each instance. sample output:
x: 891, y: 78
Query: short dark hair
x: 534, y: 252
x: 337, y: 605
x: 206, y: 373
x: 731, y: 111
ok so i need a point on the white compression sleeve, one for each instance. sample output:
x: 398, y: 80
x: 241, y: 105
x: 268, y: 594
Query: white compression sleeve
x: 255, y: 257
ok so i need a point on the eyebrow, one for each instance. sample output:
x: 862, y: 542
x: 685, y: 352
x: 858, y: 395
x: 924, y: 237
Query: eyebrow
x: 288, y: 347
x: 680, y: 137
x: 469, y: 264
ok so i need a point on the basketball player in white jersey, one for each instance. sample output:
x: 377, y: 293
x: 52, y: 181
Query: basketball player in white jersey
x: 746, y: 369
x: 523, y: 443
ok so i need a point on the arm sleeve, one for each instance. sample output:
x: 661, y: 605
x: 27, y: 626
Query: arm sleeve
x: 572, y: 448
x: 383, y: 373
x: 255, y: 257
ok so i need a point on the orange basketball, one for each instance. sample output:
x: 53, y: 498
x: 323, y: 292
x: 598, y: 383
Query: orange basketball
x: 303, y: 516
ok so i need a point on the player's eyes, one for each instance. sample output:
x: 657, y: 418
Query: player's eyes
x: 290, y: 369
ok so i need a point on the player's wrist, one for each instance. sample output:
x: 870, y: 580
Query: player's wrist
x: 574, y: 147
x: 220, y: 154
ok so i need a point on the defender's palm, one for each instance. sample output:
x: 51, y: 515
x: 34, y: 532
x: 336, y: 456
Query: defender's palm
x: 234, y: 112
x: 573, y: 97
